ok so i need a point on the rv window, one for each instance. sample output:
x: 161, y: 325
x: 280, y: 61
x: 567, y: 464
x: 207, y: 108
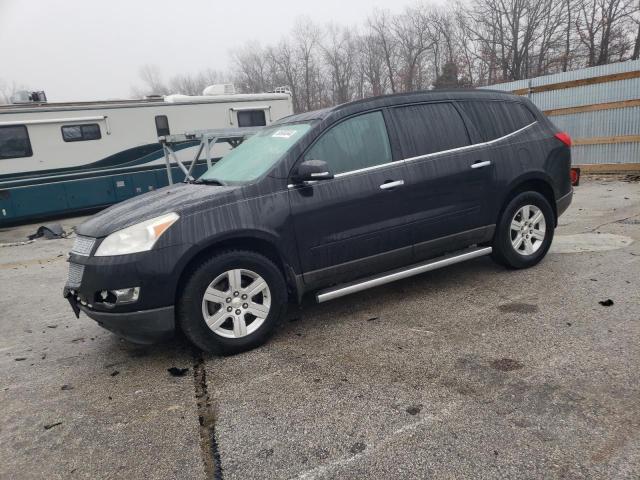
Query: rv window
x: 162, y: 125
x: 14, y: 142
x: 251, y: 118
x: 80, y: 133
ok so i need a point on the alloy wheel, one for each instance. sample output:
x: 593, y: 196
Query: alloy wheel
x: 528, y: 230
x: 236, y: 303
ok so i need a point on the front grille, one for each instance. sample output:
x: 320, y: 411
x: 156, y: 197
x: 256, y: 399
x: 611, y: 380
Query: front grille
x: 75, y: 275
x: 83, y: 245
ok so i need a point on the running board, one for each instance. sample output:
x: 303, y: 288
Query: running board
x: 399, y: 274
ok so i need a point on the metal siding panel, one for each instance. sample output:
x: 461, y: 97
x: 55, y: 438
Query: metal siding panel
x: 603, y: 123
x: 613, y: 153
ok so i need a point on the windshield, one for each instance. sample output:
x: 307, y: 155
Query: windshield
x: 256, y: 155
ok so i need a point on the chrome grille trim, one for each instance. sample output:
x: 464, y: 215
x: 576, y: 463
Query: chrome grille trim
x: 76, y: 272
x: 83, y: 245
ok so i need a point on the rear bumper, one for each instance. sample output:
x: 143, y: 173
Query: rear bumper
x: 563, y: 203
x: 145, y: 327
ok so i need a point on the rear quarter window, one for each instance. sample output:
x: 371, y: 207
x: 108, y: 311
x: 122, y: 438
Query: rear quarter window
x: 495, y: 119
x: 429, y: 128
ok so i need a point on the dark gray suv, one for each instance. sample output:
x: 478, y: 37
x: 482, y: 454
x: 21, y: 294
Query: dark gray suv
x: 332, y: 202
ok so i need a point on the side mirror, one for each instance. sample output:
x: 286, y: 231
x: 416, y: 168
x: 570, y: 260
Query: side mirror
x: 312, y: 170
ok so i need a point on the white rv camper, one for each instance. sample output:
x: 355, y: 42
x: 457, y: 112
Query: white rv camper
x: 58, y: 157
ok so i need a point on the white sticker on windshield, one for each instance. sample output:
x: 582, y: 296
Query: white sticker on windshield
x: 284, y: 134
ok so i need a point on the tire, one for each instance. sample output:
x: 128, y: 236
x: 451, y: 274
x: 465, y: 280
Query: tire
x: 226, y: 303
x: 526, y: 235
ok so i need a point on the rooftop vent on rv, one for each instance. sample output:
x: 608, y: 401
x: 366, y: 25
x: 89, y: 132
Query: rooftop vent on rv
x: 220, y: 89
x: 24, y: 96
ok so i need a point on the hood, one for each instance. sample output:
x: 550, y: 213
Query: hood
x: 182, y: 198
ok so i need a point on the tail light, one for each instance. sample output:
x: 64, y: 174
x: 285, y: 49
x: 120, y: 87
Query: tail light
x: 575, y: 176
x: 564, y: 138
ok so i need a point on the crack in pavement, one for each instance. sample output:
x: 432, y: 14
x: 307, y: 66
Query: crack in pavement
x: 207, y: 420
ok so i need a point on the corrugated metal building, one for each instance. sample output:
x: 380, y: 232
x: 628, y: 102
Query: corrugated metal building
x: 598, y: 106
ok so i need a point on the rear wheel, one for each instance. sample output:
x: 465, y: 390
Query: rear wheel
x: 232, y: 302
x: 524, y: 232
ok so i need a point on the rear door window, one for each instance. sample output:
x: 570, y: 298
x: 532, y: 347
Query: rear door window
x: 14, y: 142
x: 495, y: 119
x: 429, y: 128
x: 357, y: 143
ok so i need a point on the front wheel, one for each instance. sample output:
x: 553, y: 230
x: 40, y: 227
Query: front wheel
x: 232, y: 302
x: 524, y: 232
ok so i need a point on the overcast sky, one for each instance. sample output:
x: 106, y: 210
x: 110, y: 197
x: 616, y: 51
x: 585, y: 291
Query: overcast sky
x: 93, y: 49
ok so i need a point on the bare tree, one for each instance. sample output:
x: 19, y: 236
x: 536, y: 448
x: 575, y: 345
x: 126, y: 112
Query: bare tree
x: 251, y: 68
x: 636, y: 45
x: 380, y: 27
x: 306, y: 40
x: 152, y: 80
x: 8, y: 90
x: 373, y: 64
x: 340, y: 55
x: 469, y: 43
x: 413, y: 31
x: 602, y: 26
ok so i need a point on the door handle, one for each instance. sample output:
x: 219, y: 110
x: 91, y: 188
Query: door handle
x: 480, y: 164
x: 394, y: 184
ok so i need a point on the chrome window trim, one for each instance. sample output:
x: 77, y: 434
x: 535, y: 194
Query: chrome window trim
x: 468, y: 147
x: 430, y: 155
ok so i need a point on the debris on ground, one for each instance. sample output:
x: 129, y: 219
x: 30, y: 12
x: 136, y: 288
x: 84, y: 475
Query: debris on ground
x: 177, y: 372
x: 414, y: 410
x: 372, y: 319
x: 16, y: 244
x: 114, y: 373
x: 357, y: 448
x: 49, y: 232
x: 606, y: 303
x: 66, y: 387
x: 51, y: 425
x: 20, y: 359
x: 506, y: 364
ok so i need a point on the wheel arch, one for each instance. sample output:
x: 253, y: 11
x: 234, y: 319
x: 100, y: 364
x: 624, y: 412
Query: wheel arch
x: 537, y: 182
x: 255, y: 241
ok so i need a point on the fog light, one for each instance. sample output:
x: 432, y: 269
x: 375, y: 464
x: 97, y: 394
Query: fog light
x: 126, y: 295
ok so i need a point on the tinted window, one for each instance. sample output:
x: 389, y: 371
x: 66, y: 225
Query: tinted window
x: 79, y: 133
x: 162, y: 125
x: 251, y: 118
x: 429, y: 128
x: 356, y: 143
x: 14, y: 142
x: 497, y: 119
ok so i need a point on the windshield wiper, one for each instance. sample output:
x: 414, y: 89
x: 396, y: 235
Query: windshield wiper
x: 211, y: 181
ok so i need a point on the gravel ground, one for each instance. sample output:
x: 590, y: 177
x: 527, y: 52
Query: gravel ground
x: 467, y: 372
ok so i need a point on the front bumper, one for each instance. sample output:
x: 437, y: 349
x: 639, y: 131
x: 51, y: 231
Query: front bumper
x: 144, y: 327
x: 150, y: 318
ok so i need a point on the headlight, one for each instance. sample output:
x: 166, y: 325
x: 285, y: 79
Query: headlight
x: 137, y: 238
